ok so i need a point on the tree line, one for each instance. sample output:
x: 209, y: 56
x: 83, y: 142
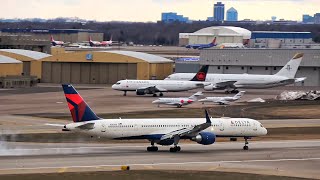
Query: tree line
x: 156, y: 33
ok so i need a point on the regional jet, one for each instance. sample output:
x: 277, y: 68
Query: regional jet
x: 56, y: 43
x: 223, y: 100
x: 231, y: 82
x: 179, y: 102
x: 142, y: 87
x: 202, y: 46
x: 165, y: 132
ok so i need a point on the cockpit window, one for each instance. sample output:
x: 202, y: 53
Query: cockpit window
x: 117, y: 83
x: 261, y: 125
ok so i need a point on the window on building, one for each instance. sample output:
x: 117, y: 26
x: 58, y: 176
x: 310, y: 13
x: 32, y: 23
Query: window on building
x: 267, y: 68
x: 242, y: 68
x: 299, y: 69
x: 227, y: 67
x: 218, y: 67
x: 250, y: 68
x: 315, y: 69
x: 274, y: 68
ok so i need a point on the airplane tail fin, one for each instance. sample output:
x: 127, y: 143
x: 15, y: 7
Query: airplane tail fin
x: 51, y: 38
x: 201, y: 74
x: 214, y: 41
x: 196, y: 95
x: 290, y: 69
x: 111, y: 38
x: 239, y: 95
x: 79, y: 109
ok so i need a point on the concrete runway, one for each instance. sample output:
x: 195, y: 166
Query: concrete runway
x: 289, y: 158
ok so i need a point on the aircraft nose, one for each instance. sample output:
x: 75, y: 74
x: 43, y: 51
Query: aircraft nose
x: 114, y: 86
x: 265, y: 131
x: 155, y: 101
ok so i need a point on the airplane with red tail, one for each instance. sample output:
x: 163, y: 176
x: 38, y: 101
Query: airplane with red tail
x: 179, y: 102
x: 56, y: 43
x: 203, y: 46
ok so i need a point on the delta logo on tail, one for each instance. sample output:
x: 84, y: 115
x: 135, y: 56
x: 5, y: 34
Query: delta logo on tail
x: 79, y: 109
x: 203, y: 46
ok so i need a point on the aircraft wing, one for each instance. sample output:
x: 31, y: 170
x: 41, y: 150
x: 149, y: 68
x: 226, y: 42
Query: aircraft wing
x: 296, y: 80
x: 174, y: 104
x: 188, y: 131
x: 153, y: 89
x: 225, y: 84
x: 222, y: 102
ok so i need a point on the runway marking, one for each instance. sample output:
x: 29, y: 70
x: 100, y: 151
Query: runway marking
x: 158, y: 164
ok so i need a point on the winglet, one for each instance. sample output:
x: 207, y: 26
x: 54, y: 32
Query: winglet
x: 207, y: 117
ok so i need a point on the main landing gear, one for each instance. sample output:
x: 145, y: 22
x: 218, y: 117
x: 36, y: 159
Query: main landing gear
x: 152, y: 148
x: 155, y: 95
x: 175, y: 148
x: 245, y: 147
x: 125, y: 93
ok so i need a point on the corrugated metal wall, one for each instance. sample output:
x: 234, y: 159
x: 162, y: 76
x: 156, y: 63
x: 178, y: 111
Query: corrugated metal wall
x: 87, y: 73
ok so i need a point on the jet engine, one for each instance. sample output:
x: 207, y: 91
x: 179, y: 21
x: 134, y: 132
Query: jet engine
x: 204, y: 138
x: 141, y: 92
x: 209, y: 87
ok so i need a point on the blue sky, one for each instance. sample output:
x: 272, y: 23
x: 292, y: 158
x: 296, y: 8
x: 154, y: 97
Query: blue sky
x: 150, y: 10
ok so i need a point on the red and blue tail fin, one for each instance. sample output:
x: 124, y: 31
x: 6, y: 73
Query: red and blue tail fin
x: 79, y: 109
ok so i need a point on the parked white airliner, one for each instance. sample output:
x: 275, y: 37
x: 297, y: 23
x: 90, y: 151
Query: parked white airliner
x: 161, y: 131
x: 143, y: 87
x: 231, y: 82
x: 179, y: 102
x: 223, y: 100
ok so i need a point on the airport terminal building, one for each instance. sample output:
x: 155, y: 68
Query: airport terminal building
x: 255, y: 61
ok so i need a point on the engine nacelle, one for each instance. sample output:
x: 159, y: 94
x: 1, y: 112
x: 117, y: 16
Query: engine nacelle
x: 140, y: 92
x: 166, y: 142
x: 205, y: 138
x: 210, y: 87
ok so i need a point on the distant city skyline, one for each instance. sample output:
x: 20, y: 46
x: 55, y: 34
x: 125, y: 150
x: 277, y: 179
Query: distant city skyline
x: 150, y: 10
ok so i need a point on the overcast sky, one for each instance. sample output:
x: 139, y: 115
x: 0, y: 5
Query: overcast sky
x: 150, y: 10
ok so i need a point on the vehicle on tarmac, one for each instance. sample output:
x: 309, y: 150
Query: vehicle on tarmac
x: 232, y: 82
x: 179, y: 102
x: 223, y: 100
x: 162, y: 131
x: 143, y: 87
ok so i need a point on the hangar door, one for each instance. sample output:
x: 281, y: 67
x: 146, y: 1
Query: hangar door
x: 87, y: 73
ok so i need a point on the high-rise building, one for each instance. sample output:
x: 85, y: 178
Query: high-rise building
x: 232, y: 14
x: 218, y: 11
x: 307, y: 19
x: 317, y: 18
x: 173, y: 17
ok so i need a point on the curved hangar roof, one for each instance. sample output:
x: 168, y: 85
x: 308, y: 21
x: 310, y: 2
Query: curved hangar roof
x: 224, y: 31
x: 31, y: 54
x: 8, y: 60
x: 150, y: 58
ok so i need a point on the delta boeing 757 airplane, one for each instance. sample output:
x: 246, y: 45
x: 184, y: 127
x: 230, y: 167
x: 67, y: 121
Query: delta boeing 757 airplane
x: 162, y: 131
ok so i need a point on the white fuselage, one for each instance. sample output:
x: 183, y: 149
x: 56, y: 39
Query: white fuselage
x: 242, y: 80
x: 164, y: 86
x: 218, y: 99
x: 173, y: 101
x: 155, y: 128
